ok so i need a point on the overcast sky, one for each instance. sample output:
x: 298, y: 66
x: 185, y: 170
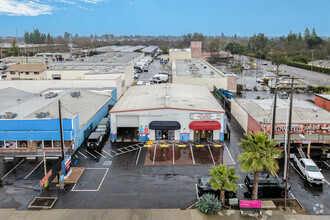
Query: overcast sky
x: 164, y: 17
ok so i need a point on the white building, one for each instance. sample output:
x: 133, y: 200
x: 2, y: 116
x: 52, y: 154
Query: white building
x: 167, y: 111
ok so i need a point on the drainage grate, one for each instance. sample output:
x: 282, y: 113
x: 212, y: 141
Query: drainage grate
x: 43, y: 203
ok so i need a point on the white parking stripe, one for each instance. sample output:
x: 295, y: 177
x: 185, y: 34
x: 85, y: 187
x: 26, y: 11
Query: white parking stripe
x: 153, y: 161
x: 192, y: 154
x: 137, y: 159
x: 229, y: 153
x: 90, y: 153
x: 296, y: 170
x: 91, y: 190
x: 34, y: 169
x: 211, y: 154
x: 82, y: 154
x: 12, y: 169
x: 326, y: 163
x: 102, y: 179
x: 75, y: 156
x: 107, y: 153
x: 292, y: 195
x: 99, y: 154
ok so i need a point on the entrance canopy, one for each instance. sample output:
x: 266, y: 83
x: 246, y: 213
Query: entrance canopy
x: 204, y: 125
x: 164, y: 125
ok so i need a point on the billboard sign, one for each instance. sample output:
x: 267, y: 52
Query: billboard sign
x: 206, y: 116
x: 298, y: 128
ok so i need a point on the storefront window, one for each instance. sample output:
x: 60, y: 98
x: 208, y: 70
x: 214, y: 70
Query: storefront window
x: 2, y: 144
x: 11, y: 144
x: 39, y: 144
x: 57, y: 143
x: 22, y: 144
x: 48, y: 144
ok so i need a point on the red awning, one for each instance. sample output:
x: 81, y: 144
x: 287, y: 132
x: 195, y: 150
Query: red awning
x: 204, y: 125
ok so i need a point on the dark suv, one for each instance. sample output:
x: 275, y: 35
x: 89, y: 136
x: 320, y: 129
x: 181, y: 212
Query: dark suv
x: 203, y: 186
x: 95, y: 141
x: 267, y: 186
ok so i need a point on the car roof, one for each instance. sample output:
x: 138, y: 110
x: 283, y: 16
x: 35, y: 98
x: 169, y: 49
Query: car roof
x: 309, y: 162
x: 95, y: 135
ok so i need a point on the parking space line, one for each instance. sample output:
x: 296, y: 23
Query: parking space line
x: 91, y: 190
x: 211, y: 154
x: 327, y: 182
x: 292, y: 195
x: 138, y: 157
x: 326, y: 163
x: 82, y: 154
x: 99, y: 154
x: 107, y: 153
x: 75, y: 156
x: 90, y: 154
x: 106, y: 172
x: 229, y: 153
x: 296, y: 170
x: 153, y: 161
x: 192, y: 154
x: 34, y: 169
x: 12, y: 169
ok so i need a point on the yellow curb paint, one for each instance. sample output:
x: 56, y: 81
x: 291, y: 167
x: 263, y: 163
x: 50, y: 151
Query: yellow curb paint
x: 217, y: 145
x: 199, y: 145
x: 147, y: 146
x: 181, y: 145
x: 163, y: 145
x: 150, y: 142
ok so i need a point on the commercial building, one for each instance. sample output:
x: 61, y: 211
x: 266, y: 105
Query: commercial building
x: 200, y: 72
x: 310, y: 123
x: 179, y: 54
x: 29, y: 123
x: 54, y: 56
x: 26, y: 60
x: 323, y: 101
x: 26, y: 71
x: 150, y: 50
x: 167, y: 112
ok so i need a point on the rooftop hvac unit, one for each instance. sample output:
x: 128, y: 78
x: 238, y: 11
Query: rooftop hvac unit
x: 212, y: 73
x: 42, y: 114
x: 10, y: 115
x: 75, y: 94
x: 50, y: 95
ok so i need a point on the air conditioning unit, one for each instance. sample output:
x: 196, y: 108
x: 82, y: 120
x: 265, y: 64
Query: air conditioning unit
x: 42, y: 114
x: 10, y: 115
x: 50, y: 95
x: 75, y: 94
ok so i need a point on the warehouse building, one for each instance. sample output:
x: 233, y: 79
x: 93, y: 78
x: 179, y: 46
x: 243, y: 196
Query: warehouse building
x: 200, y: 72
x: 310, y: 123
x: 323, y: 101
x: 29, y: 123
x: 167, y: 112
x: 26, y: 71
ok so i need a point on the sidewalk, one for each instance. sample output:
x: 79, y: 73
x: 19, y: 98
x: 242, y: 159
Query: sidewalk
x: 143, y: 214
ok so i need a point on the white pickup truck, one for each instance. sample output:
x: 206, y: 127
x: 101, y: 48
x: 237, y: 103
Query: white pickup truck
x: 309, y: 170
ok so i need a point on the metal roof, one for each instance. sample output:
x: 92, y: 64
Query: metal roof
x: 302, y: 112
x: 149, y: 49
x: 162, y: 96
x: 195, y: 69
x: 325, y: 96
x: 11, y: 97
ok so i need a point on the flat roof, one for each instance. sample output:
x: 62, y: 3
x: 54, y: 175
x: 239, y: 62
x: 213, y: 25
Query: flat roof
x: 163, y: 96
x: 11, y: 97
x: 325, y: 96
x: 302, y: 111
x: 42, y: 54
x: 27, y: 67
x: 195, y: 68
x: 149, y: 49
x: 183, y: 50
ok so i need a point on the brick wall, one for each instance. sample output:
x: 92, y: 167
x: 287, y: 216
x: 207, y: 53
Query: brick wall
x: 253, y: 126
x: 322, y: 102
x: 232, y: 82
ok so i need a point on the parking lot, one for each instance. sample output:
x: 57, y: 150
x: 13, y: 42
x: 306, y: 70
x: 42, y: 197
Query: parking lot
x: 154, y: 68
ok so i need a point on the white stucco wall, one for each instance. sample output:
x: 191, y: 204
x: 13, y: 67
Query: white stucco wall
x: 239, y: 114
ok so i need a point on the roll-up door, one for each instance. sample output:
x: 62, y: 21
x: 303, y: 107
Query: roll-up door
x: 127, y: 121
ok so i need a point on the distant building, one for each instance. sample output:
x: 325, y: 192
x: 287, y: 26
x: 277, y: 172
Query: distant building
x: 179, y: 54
x: 26, y: 71
x: 323, y: 101
x: 150, y: 50
x: 200, y: 72
x: 26, y: 60
x: 54, y: 56
x: 29, y: 123
x: 196, y: 49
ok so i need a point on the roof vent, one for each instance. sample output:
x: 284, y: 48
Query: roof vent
x: 314, y: 109
x: 9, y: 115
x: 42, y: 114
x: 75, y: 94
x: 212, y: 73
x: 50, y: 95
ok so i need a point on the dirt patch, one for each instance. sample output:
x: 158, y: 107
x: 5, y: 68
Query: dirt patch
x: 293, y: 204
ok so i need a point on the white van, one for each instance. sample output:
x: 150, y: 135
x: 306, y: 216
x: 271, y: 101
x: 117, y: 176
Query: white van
x: 160, y: 78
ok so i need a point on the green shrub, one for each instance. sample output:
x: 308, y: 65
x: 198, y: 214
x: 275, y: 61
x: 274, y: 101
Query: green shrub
x: 309, y: 67
x: 208, y: 204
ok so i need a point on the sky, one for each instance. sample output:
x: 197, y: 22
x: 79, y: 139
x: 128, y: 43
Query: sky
x: 164, y: 17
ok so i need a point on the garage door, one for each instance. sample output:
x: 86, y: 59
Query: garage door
x: 127, y: 121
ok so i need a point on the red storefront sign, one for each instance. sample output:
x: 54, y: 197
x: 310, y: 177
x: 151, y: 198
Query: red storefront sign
x: 46, y: 177
x: 298, y: 128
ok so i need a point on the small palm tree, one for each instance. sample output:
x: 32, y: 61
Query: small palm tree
x: 258, y: 155
x: 223, y: 179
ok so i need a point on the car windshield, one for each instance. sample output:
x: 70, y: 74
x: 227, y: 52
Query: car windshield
x: 312, y: 169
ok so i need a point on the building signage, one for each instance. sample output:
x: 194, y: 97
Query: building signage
x: 46, y: 177
x: 298, y: 128
x: 205, y: 116
x: 66, y: 165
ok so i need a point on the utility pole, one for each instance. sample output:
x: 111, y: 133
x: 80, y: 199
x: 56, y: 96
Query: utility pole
x: 61, y: 128
x: 274, y: 106
x: 288, y: 130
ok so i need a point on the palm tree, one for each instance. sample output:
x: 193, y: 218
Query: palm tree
x: 258, y: 155
x: 223, y: 179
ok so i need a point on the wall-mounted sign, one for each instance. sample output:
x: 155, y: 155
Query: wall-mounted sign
x: 298, y: 128
x: 206, y: 116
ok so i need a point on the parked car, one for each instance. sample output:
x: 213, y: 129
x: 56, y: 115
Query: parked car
x: 136, y: 76
x: 264, y: 63
x: 309, y: 170
x: 145, y: 69
x: 268, y: 186
x: 138, y: 69
x: 203, y: 187
x: 160, y: 78
x: 104, y: 127
x: 95, y: 141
